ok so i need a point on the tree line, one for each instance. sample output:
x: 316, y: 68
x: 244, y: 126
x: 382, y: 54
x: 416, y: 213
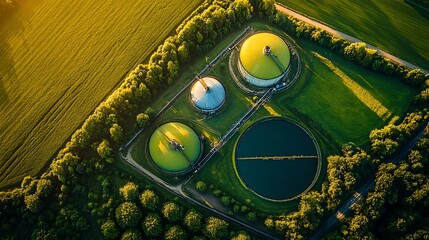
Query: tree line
x: 356, y: 52
x: 63, y: 203
x: 346, y: 171
x: 397, y: 207
x: 424, y: 3
x: 234, y: 207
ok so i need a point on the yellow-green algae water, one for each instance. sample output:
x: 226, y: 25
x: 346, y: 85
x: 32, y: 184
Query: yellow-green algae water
x: 165, y: 155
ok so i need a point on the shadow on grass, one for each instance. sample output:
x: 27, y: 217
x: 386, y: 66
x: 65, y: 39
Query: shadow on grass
x: 11, y: 21
x: 422, y: 10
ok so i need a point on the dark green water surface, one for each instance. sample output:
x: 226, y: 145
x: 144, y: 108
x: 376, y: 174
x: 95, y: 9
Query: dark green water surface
x: 276, y: 179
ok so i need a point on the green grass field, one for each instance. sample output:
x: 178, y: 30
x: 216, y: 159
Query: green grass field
x: 394, y: 25
x: 344, y: 105
x: 59, y: 60
x: 335, y: 99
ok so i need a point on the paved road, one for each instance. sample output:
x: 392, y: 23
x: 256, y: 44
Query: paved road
x: 346, y: 36
x: 364, y: 189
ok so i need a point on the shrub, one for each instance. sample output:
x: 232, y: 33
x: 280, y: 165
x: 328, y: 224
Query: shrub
x: 172, y: 211
x: 128, y: 215
x: 201, y: 186
x: 109, y: 230
x: 149, y: 199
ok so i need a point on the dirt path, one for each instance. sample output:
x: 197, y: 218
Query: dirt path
x: 346, y: 36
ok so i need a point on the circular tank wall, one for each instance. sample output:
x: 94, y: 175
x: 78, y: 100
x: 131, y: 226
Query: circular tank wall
x: 264, y: 59
x: 174, y: 147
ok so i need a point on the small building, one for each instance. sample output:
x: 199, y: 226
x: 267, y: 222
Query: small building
x: 207, y: 95
x: 264, y: 59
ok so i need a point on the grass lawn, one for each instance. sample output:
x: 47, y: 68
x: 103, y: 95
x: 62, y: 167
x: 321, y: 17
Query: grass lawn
x: 395, y: 26
x: 59, y: 59
x: 336, y: 100
x: 335, y: 110
x: 352, y: 103
x: 184, y: 111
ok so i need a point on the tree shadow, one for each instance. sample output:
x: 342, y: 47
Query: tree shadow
x: 424, y: 12
x: 401, y: 38
x: 10, y: 24
x: 7, y: 66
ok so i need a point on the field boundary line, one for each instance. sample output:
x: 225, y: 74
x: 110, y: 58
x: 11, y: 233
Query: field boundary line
x: 317, y: 23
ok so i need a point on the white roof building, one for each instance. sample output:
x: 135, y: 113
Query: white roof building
x: 207, y: 94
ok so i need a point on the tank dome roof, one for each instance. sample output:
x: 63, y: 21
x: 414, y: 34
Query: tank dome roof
x: 207, y: 94
x: 264, y: 55
x: 174, y: 147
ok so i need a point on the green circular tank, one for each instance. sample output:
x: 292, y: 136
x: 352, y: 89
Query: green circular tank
x: 264, y: 56
x: 174, y: 147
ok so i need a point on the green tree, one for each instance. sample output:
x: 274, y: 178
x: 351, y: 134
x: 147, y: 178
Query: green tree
x: 242, y: 9
x: 116, y: 133
x: 225, y: 200
x: 216, y: 228
x: 175, y: 233
x: 150, y: 112
x: 70, y: 221
x: 105, y: 151
x: 269, y: 222
x: 422, y: 97
x: 345, y: 171
x: 152, y: 225
x: 241, y: 236
x: 201, y: 186
x: 359, y: 53
x: 149, y: 199
x: 265, y: 8
x: 415, y: 77
x: 142, y: 119
x: 193, y: 220
x: 44, y: 234
x: 129, y: 191
x: 80, y: 138
x: 131, y: 234
x: 173, y: 70
x: 109, y: 230
x: 128, y: 215
x: 251, y: 216
x: 44, y: 188
x: 33, y: 203
x: 183, y: 52
x: 172, y: 211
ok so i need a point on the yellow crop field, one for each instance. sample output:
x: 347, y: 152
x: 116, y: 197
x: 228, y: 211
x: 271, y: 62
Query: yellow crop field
x: 59, y: 60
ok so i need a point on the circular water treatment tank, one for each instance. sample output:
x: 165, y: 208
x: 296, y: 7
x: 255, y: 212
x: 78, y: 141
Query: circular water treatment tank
x: 174, y: 147
x: 277, y: 159
x: 264, y: 59
x: 207, y: 94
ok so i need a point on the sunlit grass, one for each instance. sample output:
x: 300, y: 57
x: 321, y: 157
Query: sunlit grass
x: 341, y: 99
x: 271, y: 110
x: 59, y: 59
x: 320, y: 100
x: 395, y: 26
x: 361, y: 93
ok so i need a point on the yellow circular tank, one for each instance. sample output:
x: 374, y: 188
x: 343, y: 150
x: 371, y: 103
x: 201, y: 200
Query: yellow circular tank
x: 264, y: 56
